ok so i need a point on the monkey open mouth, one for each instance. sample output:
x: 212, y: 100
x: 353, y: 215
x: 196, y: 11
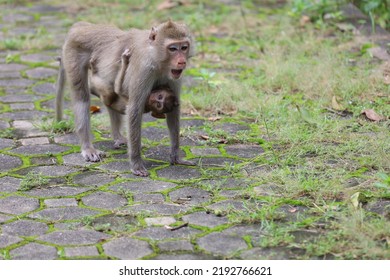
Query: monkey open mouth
x: 176, y: 73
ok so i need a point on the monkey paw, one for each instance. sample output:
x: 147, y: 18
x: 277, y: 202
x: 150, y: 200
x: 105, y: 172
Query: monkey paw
x: 176, y: 160
x: 92, y: 154
x: 118, y: 143
x: 125, y: 56
x: 139, y: 170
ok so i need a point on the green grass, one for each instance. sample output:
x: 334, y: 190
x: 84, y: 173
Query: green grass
x: 256, y: 64
x: 32, y: 180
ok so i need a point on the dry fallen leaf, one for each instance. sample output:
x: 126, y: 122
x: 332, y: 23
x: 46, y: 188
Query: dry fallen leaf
x: 168, y: 4
x: 204, y: 137
x: 94, y: 109
x: 335, y: 105
x: 304, y: 20
x: 372, y: 115
x: 214, y: 119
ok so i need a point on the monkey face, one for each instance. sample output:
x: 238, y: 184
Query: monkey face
x: 178, y: 53
x: 162, y: 101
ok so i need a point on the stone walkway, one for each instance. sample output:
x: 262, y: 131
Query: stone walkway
x: 101, y: 211
x: 74, y: 209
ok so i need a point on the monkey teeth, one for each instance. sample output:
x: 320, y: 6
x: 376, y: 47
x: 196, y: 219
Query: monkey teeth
x: 176, y: 73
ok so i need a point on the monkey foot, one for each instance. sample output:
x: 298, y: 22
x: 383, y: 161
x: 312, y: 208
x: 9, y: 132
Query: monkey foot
x: 92, y: 155
x: 140, y: 172
x: 182, y: 162
x: 119, y: 143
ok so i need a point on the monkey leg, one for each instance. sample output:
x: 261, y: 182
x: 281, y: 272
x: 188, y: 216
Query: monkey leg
x: 173, y: 122
x: 77, y: 72
x: 116, y: 124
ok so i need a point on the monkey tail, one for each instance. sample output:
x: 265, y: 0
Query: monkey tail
x: 60, y: 91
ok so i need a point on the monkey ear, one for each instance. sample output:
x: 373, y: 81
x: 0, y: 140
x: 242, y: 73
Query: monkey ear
x: 170, y: 23
x: 153, y: 34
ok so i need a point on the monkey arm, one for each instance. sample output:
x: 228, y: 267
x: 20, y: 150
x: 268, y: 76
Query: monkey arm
x: 121, y: 74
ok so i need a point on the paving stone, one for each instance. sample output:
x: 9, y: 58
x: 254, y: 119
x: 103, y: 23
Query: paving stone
x: 6, y: 240
x: 148, y: 198
x: 37, y: 57
x: 34, y: 251
x: 53, y: 171
x: 63, y: 214
x: 190, y: 195
x: 221, y: 244
x: 34, y: 141
x: 161, y: 153
x: 9, y: 162
x: 186, y: 257
x: 157, y: 209
x: 381, y: 207
x: 4, y: 218
x: 17, y: 18
x: 25, y: 228
x: 45, y: 88
x: 230, y: 193
x: 115, y: 222
x: 228, y: 183
x: 244, y: 151
x: 231, y: 128
x: 81, y: 251
x: 40, y: 149
x: 16, y: 83
x: 179, y: 245
x: 10, y: 75
x: 305, y: 236
x: 155, y: 133
x: 104, y: 200
x: 46, y: 8
x: 18, y: 205
x: 178, y: 172
x: 74, y: 237
x: 292, y: 213
x: 254, y: 231
x: 44, y: 160
x: 116, y: 166
x: 6, y: 143
x: 57, y: 191
x: 60, y: 202
x: 75, y: 160
x: 205, y: 220
x: 186, y: 123
x: 26, y: 115
x: 22, y: 106
x: 127, y: 249
x: 71, y: 139
x: 93, y: 179
x: 227, y: 205
x: 4, y: 125
x: 217, y: 161
x: 12, y: 67
x: 270, y: 254
x: 160, y: 221
x: 205, y: 151
x: 145, y: 186
x: 41, y: 73
x: 22, y: 31
x: 268, y: 190
x: 161, y: 233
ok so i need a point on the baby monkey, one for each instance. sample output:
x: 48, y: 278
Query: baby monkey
x: 161, y: 100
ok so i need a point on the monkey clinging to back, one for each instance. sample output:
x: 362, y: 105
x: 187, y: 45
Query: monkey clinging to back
x: 156, y: 60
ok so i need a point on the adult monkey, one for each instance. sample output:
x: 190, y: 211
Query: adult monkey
x: 157, y: 58
x: 160, y: 101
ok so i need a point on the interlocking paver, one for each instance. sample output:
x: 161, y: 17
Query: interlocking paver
x: 100, y: 210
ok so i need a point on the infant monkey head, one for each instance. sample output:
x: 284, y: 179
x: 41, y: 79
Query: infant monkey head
x: 161, y: 101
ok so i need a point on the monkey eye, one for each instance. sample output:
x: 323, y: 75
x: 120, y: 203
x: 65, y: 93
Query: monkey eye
x: 173, y: 48
x: 184, y: 48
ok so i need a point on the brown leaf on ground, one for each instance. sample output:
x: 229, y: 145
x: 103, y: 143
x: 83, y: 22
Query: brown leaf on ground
x: 304, y: 20
x: 335, y: 105
x: 204, y: 137
x: 214, y: 119
x: 372, y: 115
x: 169, y: 4
x: 94, y: 109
